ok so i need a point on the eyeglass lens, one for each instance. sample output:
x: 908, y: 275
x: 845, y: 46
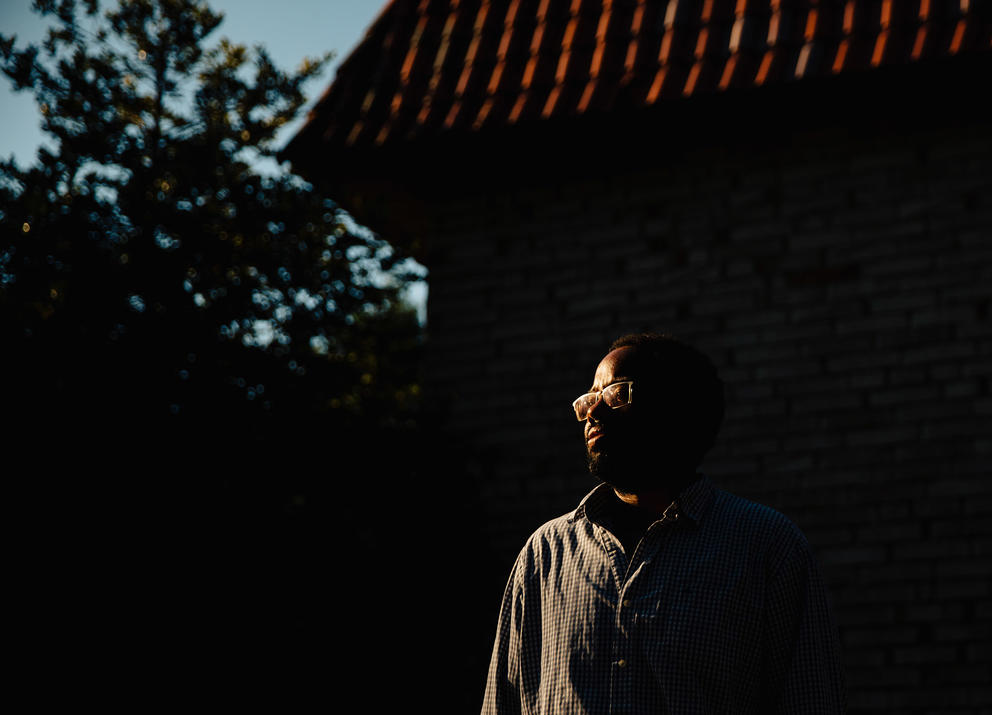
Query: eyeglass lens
x: 613, y: 396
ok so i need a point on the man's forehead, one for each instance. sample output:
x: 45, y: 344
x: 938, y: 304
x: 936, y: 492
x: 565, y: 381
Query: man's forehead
x: 616, y: 363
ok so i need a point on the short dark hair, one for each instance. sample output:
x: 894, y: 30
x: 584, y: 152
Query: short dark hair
x: 696, y: 386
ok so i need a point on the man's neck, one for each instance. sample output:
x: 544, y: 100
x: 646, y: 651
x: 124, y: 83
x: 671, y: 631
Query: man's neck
x: 656, y: 499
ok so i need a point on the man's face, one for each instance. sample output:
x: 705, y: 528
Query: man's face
x: 652, y: 443
x: 642, y: 445
x: 607, y: 430
x: 623, y: 444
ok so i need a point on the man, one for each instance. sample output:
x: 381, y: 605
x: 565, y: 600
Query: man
x: 661, y: 593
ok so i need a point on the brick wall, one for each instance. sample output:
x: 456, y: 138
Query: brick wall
x: 840, y: 280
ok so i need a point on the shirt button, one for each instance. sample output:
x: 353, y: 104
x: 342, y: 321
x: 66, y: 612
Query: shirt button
x: 621, y: 663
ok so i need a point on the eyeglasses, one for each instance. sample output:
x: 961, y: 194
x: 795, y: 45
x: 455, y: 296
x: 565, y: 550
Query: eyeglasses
x: 616, y: 395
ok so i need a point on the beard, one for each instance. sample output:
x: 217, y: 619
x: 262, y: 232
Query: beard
x: 633, y: 471
x: 630, y: 473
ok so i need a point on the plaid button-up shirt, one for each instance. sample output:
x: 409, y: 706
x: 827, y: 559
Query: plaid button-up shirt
x: 720, y: 609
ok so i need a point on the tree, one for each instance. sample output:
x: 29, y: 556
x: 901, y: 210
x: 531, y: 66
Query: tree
x: 149, y: 273
x: 224, y: 343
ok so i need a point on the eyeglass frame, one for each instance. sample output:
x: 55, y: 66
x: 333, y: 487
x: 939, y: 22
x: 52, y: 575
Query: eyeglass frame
x: 599, y: 398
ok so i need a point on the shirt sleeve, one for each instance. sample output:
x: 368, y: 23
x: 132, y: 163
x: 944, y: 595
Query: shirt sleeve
x: 505, y: 689
x: 804, y: 666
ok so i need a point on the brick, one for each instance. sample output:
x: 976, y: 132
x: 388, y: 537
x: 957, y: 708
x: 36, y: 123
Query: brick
x: 943, y: 372
x: 962, y: 525
x: 962, y: 674
x: 766, y: 353
x: 803, y: 333
x: 910, y: 574
x: 934, y: 413
x: 966, y: 291
x: 831, y: 534
x: 979, y: 653
x: 591, y: 303
x: 964, y: 589
x: 885, y: 435
x: 894, y: 509
x: 983, y: 407
x: 963, y: 388
x: 817, y: 385
x: 924, y: 613
x: 938, y: 353
x: 943, y: 314
x: 854, y: 555
x: 984, y: 610
x: 749, y: 392
x: 890, y: 266
x: 963, y: 568
x: 722, y: 304
x: 862, y: 360
x: 968, y: 263
x: 930, y: 550
x: 765, y: 232
x: 948, y: 429
x: 889, y: 531
x: 883, y: 397
x: 812, y: 240
x: 827, y: 403
x: 907, y: 375
x: 752, y: 447
x: 962, y: 632
x: 879, y: 636
x: 866, y: 700
x: 978, y: 504
x: 893, y: 677
x: 804, y: 368
x: 928, y: 700
x: 978, y: 367
x: 872, y: 323
x: 864, y: 658
x: 938, y: 505
x: 924, y: 654
x: 915, y: 301
x: 867, y: 380
x: 801, y: 469
x: 812, y: 442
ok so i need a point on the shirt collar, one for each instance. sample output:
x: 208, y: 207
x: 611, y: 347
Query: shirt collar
x: 692, y: 502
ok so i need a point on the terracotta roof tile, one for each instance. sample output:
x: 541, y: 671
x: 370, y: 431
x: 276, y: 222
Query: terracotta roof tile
x: 432, y: 66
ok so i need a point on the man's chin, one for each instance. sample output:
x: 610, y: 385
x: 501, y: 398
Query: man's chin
x: 627, y: 476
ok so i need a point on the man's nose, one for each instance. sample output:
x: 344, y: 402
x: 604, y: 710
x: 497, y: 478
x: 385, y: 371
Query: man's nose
x: 596, y: 411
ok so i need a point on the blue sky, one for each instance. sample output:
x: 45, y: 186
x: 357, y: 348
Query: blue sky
x: 289, y: 29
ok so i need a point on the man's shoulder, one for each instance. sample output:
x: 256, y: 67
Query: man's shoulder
x: 555, y: 534
x: 569, y: 523
x: 554, y: 530
x: 759, y: 521
x: 745, y: 508
x: 549, y: 542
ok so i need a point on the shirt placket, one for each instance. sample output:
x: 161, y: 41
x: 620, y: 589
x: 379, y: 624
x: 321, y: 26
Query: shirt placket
x: 622, y: 664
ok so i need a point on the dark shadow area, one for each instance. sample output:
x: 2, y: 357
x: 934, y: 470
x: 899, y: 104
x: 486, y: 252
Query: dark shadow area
x: 244, y: 557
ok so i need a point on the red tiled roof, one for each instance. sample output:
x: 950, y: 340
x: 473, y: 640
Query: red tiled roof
x: 427, y: 67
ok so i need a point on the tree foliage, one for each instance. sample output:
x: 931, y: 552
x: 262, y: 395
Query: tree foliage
x: 149, y: 270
